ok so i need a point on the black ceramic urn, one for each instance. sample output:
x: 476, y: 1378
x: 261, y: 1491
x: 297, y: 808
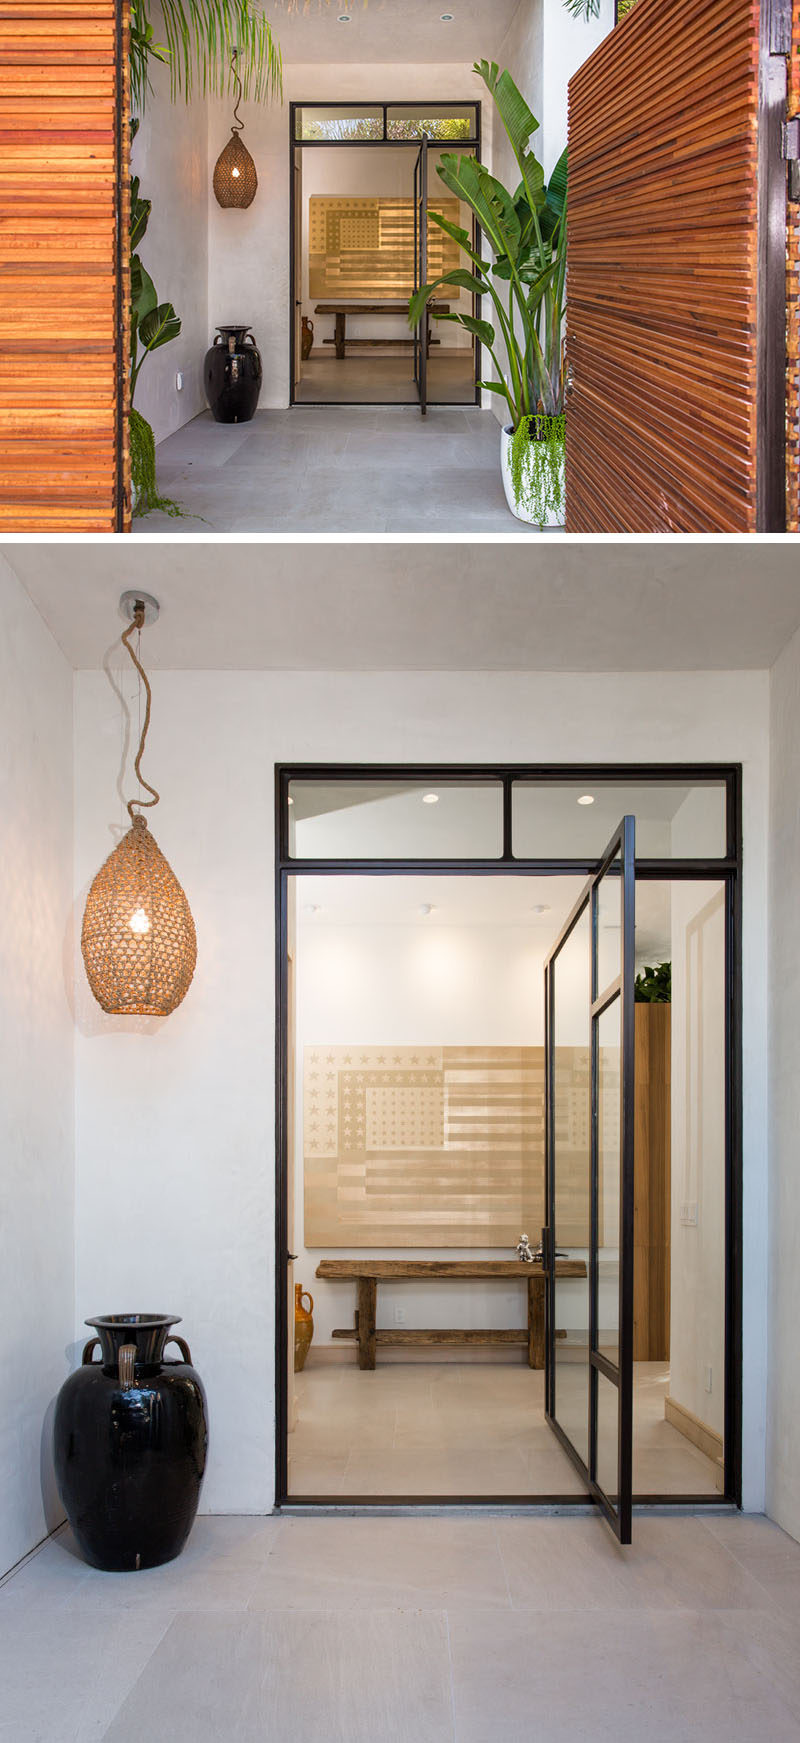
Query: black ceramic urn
x: 232, y: 375
x: 130, y: 1440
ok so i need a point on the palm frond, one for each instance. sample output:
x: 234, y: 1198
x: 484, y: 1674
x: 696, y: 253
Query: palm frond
x: 583, y: 8
x: 199, y: 38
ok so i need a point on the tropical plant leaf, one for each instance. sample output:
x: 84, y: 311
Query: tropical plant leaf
x: 459, y: 278
x: 483, y: 330
x: 200, y: 36
x: 143, y: 291
x: 159, y: 326
x: 462, y: 237
x: 519, y: 122
x: 140, y: 213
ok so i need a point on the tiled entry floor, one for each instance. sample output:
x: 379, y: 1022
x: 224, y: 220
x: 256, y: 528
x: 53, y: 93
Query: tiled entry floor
x: 460, y: 1428
x: 336, y: 469
x: 364, y: 1630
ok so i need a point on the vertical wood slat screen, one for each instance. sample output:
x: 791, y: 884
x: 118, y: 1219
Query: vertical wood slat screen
x: 663, y: 238
x: 63, y: 265
x: 793, y: 307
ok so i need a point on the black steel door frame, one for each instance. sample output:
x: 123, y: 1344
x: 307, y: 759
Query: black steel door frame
x: 473, y: 145
x: 620, y: 853
x: 421, y: 273
x: 726, y: 871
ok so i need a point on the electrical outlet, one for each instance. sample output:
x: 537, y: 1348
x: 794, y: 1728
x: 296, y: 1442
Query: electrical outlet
x: 179, y: 380
x: 709, y: 1379
x: 689, y: 1215
x: 399, y: 1316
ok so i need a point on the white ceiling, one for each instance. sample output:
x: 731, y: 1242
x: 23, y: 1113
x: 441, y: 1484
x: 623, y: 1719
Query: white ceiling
x: 521, y: 606
x: 385, y: 31
x: 473, y: 901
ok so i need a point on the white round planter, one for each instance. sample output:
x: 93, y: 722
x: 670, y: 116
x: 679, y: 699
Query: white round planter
x: 522, y: 510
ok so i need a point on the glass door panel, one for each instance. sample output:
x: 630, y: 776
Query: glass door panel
x: 588, y: 1241
x: 570, y: 1221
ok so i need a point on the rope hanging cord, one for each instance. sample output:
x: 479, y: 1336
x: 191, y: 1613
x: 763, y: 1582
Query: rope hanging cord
x: 136, y: 623
x: 239, y: 124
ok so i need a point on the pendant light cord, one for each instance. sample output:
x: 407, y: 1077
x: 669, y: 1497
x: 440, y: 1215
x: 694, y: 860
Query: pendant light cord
x: 238, y: 126
x: 136, y: 623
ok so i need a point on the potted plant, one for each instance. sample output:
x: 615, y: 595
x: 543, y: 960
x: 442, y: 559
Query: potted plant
x: 526, y: 283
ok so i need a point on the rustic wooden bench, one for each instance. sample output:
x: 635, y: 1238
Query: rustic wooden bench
x: 342, y: 310
x: 368, y: 1273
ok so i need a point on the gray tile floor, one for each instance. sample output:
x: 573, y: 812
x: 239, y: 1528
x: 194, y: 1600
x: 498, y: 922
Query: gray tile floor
x: 336, y: 469
x: 404, y: 1630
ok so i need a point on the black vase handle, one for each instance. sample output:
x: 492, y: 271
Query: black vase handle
x: 182, y: 1346
x: 87, y: 1352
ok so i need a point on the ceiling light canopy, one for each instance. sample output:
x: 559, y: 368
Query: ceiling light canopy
x: 138, y: 938
x: 586, y: 799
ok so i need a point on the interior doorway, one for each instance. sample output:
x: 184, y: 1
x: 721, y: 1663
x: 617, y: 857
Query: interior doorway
x: 363, y: 187
x: 413, y: 1146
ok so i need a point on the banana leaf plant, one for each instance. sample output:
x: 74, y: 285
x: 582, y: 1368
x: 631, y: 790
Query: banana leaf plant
x: 525, y: 280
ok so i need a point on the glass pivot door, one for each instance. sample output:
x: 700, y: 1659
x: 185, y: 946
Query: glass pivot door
x: 588, y: 1241
x: 421, y: 272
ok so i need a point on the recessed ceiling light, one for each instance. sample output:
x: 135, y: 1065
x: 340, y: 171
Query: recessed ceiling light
x: 540, y: 908
x: 344, y: 18
x: 427, y: 908
x: 430, y: 798
x: 312, y: 908
x: 446, y: 17
x: 586, y: 799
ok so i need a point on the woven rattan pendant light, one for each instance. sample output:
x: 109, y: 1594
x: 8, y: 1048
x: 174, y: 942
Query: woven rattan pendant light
x: 138, y: 938
x: 235, y: 179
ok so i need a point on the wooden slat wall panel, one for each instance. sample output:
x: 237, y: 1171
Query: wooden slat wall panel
x: 661, y: 322
x: 793, y: 308
x: 64, y: 136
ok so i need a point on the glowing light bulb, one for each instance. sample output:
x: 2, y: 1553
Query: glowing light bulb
x: 430, y: 798
x: 234, y: 171
x: 586, y: 799
x: 139, y: 922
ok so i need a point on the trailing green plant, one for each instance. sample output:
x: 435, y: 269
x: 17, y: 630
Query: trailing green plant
x: 199, y: 36
x: 583, y: 8
x: 143, y: 469
x: 152, y: 324
x: 525, y: 280
x: 653, y: 986
x: 537, y: 467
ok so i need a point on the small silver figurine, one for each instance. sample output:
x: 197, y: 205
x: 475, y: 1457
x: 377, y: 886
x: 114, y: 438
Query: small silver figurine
x: 524, y: 1252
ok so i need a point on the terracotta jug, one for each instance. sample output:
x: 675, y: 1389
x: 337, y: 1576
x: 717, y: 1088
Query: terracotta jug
x: 303, y: 1326
x: 307, y: 338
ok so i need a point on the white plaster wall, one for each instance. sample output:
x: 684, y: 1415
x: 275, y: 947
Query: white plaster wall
x: 175, y: 1121
x: 248, y: 251
x: 783, y: 1466
x: 170, y: 157
x: 567, y: 43
x: 36, y: 1063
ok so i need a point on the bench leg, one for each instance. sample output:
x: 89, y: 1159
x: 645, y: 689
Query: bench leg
x: 367, y: 1314
x: 339, y: 332
x: 536, y: 1350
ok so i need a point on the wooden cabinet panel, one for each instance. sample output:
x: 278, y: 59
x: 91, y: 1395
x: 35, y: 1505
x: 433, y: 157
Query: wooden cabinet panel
x: 651, y: 1221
